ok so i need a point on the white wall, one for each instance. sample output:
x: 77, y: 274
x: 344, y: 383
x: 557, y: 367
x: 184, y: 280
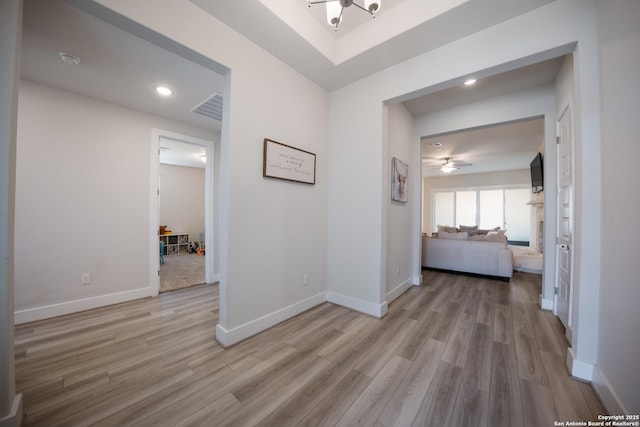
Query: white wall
x: 82, y: 201
x: 617, y: 376
x: 474, y: 180
x: 272, y: 232
x: 182, y: 199
x: 399, y: 246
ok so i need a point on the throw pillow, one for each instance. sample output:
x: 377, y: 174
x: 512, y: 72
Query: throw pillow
x: 447, y: 229
x: 485, y: 231
x: 479, y: 237
x: 497, y: 236
x: 468, y: 227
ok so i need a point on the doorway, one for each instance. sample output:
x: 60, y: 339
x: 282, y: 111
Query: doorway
x: 182, y: 211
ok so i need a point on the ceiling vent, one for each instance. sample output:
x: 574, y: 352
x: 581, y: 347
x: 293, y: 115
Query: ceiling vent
x: 210, y: 107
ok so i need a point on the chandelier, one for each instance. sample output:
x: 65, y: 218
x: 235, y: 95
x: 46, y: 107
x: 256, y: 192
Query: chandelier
x: 336, y: 7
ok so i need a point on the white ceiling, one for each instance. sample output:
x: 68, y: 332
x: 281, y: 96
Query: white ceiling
x: 182, y: 154
x: 121, y: 68
x: 115, y: 66
x: 509, y: 146
x: 301, y: 38
x: 519, y: 79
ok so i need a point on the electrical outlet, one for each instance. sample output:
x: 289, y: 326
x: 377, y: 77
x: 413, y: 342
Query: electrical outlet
x: 85, y: 278
x: 306, y: 279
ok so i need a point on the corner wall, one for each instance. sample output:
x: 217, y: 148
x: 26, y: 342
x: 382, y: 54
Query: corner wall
x: 82, y: 201
x: 356, y: 143
x: 399, y: 249
x: 273, y: 232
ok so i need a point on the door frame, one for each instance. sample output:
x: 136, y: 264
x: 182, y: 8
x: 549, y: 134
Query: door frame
x: 154, y: 205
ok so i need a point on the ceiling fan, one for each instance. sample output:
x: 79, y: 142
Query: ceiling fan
x: 449, y: 165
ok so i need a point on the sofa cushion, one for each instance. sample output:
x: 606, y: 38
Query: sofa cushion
x: 463, y: 235
x: 468, y: 227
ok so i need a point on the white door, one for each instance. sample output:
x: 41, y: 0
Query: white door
x: 565, y: 220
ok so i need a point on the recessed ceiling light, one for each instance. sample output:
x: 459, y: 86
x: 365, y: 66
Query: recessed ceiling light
x: 470, y: 82
x: 68, y: 58
x: 164, y: 91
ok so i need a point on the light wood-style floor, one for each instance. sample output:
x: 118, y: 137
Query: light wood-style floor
x: 457, y: 351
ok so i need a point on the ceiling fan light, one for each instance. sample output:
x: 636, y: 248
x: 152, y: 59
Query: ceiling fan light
x: 372, y: 5
x: 447, y: 169
x: 334, y: 12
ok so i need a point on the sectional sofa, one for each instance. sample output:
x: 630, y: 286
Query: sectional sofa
x: 490, y: 258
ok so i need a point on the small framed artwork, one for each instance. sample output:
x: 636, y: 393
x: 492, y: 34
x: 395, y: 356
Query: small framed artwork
x: 289, y: 163
x: 399, y: 172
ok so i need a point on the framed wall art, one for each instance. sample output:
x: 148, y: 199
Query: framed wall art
x: 282, y: 161
x: 399, y: 172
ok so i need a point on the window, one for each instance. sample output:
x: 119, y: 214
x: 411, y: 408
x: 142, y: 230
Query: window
x: 444, y: 213
x: 465, y: 208
x: 517, y: 213
x: 488, y: 208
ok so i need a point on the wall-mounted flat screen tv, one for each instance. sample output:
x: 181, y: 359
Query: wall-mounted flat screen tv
x: 537, y: 174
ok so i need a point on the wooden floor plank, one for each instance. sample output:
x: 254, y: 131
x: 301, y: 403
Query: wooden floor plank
x: 505, y: 405
x: 456, y: 351
x: 366, y: 409
x: 537, y: 405
x: 530, y: 365
x: 438, y: 404
x: 567, y: 396
x: 404, y: 405
x: 503, y: 324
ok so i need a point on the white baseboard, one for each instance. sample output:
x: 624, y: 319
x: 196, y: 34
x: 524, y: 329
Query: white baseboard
x: 228, y: 337
x: 215, y: 278
x: 14, y: 418
x: 375, y: 310
x: 546, y: 304
x: 417, y: 280
x: 606, y: 393
x: 577, y: 368
x: 398, y: 290
x: 68, y: 307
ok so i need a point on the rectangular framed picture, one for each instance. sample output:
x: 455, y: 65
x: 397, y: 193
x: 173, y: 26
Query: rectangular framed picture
x: 282, y: 161
x: 399, y: 172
